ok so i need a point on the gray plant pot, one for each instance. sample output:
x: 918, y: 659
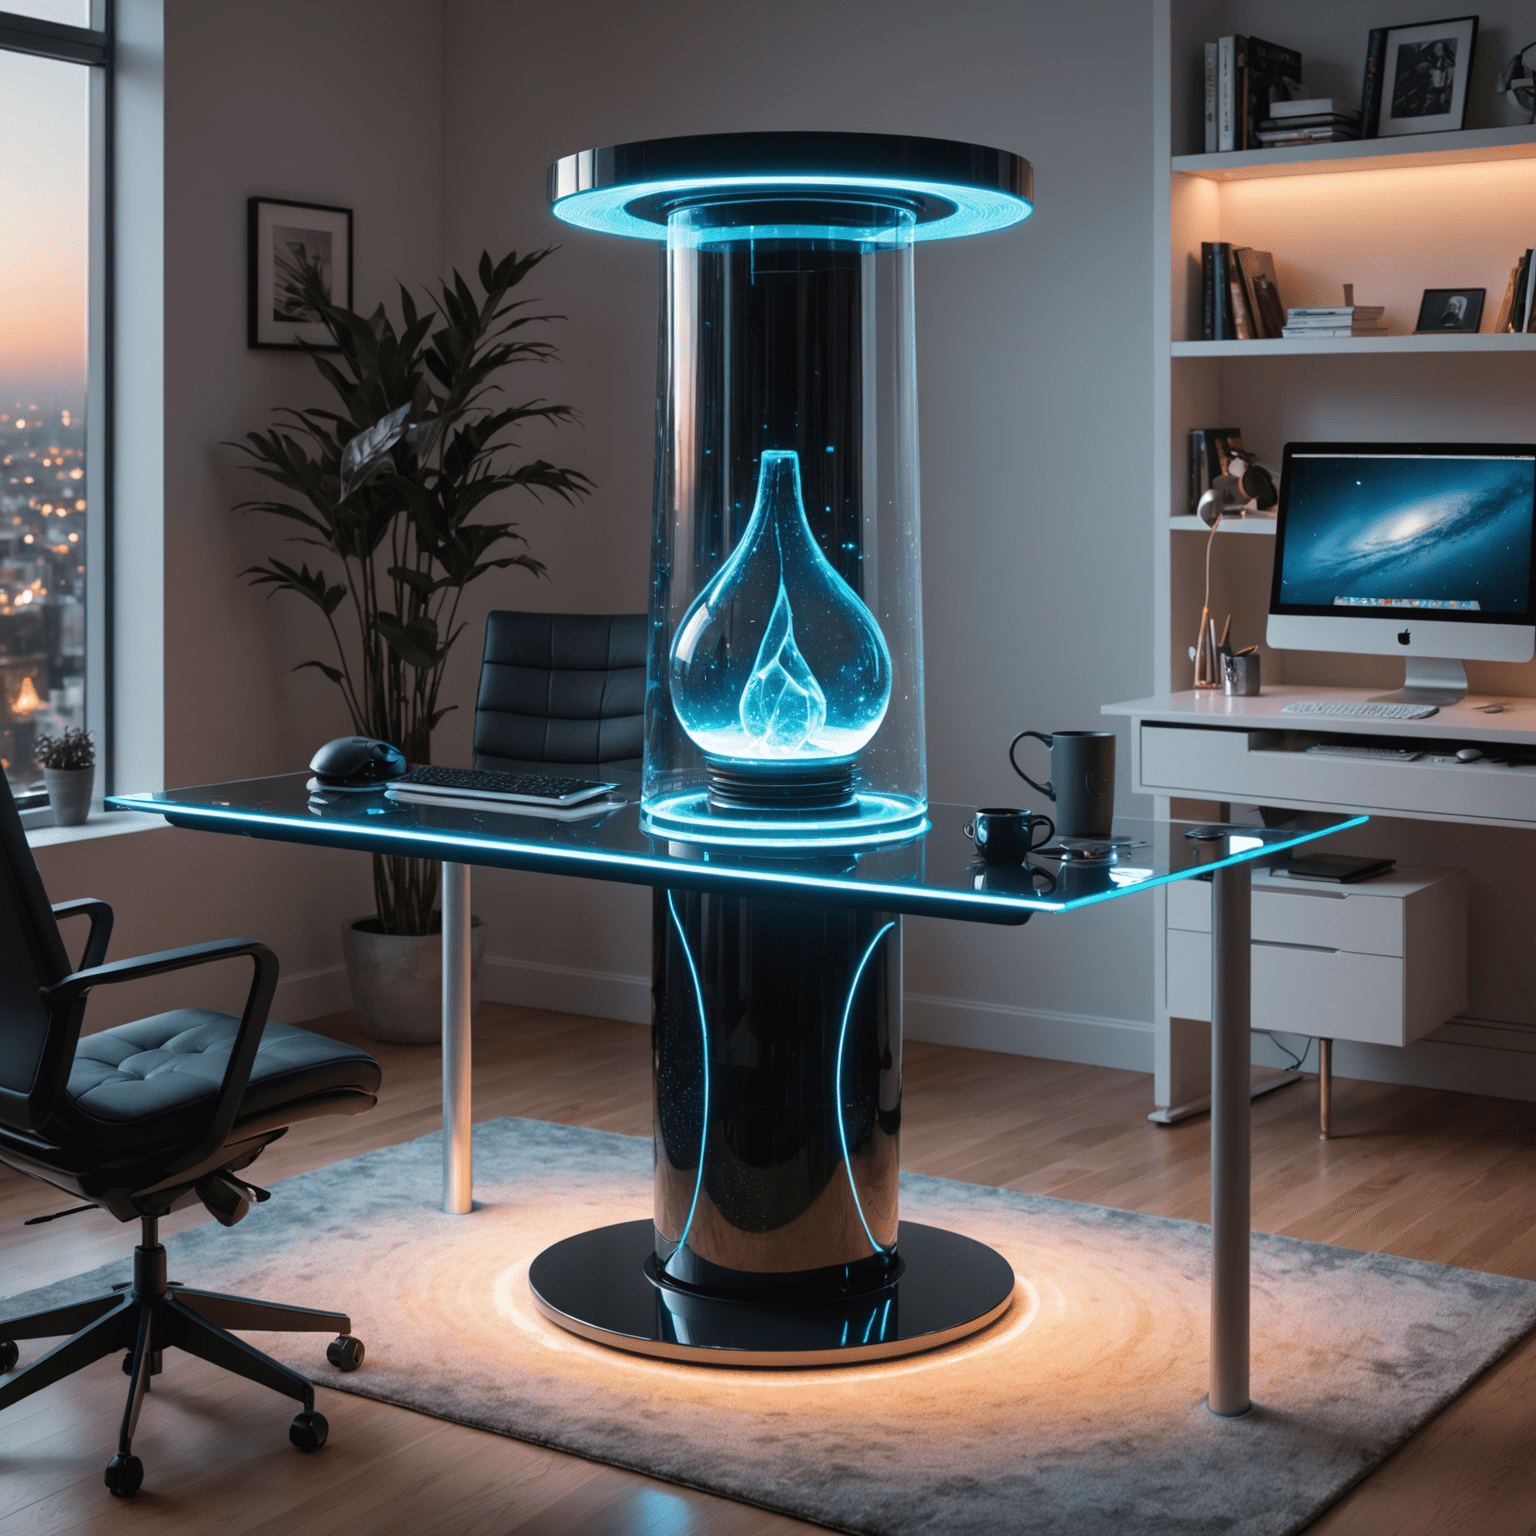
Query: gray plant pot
x: 397, y: 982
x: 69, y: 793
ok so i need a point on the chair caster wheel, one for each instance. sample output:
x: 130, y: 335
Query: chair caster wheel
x: 345, y: 1352
x: 124, y: 1475
x: 309, y: 1431
x: 9, y: 1355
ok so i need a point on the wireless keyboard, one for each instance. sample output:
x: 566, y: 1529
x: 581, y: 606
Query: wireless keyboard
x: 1359, y: 711
x: 489, y: 784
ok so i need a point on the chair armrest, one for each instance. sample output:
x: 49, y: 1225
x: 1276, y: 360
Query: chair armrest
x: 253, y: 1020
x: 100, y: 935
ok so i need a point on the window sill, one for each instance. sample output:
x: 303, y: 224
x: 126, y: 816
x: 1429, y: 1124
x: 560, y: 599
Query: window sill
x: 98, y: 824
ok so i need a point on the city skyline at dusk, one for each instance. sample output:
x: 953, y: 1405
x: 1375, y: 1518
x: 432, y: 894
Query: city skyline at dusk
x: 44, y: 191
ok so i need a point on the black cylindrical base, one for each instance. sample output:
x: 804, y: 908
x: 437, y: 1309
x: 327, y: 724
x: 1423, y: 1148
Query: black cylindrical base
x: 776, y: 1039
x: 605, y: 1285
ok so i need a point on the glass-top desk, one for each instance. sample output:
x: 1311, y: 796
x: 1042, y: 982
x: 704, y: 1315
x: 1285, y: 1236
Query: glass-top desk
x: 934, y: 875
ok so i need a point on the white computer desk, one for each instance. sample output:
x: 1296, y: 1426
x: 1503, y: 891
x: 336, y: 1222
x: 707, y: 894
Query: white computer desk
x: 1202, y: 745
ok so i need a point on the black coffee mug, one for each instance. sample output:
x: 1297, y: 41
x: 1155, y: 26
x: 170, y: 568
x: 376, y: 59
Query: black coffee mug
x: 1005, y: 835
x: 1082, y: 781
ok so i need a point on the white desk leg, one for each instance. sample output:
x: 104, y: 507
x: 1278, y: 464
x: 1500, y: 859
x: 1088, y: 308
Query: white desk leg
x: 457, y: 1166
x: 1231, y: 999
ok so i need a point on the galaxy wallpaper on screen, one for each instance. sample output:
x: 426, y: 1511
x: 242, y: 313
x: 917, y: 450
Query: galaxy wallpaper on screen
x: 1379, y: 530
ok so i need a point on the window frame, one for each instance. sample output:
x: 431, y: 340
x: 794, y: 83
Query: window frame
x: 94, y: 47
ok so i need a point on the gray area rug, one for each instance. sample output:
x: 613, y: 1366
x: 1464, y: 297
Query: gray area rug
x: 1080, y: 1411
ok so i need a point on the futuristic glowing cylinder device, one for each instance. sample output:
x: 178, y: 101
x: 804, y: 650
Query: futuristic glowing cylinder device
x: 784, y: 704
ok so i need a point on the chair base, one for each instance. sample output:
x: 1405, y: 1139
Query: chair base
x: 150, y: 1314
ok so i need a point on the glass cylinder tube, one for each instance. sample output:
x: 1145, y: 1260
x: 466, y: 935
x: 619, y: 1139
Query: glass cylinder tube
x: 785, y: 677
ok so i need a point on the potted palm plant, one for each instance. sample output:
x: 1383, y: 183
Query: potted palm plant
x: 394, y: 489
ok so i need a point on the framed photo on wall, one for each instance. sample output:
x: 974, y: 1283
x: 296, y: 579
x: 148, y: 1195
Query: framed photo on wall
x: 1424, y: 76
x: 282, y: 238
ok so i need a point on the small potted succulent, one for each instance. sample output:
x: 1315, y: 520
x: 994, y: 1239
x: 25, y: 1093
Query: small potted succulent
x: 68, y: 761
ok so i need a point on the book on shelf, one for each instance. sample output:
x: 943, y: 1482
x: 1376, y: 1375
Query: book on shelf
x: 1370, y: 87
x: 1311, y: 120
x: 1272, y: 75
x: 1231, y: 61
x: 1240, y: 298
x: 1245, y: 79
x: 1314, y: 106
x: 1216, y: 291
x: 1210, y: 98
x: 1521, y: 310
x: 1282, y: 138
x: 1263, y: 289
x: 1324, y: 320
x: 1322, y: 332
x: 1211, y: 449
x: 1334, y: 314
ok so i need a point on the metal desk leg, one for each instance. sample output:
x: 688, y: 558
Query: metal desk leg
x: 1324, y: 1089
x: 457, y: 1167
x: 1230, y: 1141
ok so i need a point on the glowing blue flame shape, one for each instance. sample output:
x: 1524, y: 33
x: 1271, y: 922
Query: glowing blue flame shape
x: 778, y: 658
x: 782, y: 706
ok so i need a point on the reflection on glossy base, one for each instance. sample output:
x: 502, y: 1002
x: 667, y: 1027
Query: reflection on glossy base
x: 604, y: 1285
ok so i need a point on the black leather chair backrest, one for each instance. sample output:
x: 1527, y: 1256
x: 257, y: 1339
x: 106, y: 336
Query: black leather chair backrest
x: 32, y: 956
x: 561, y: 688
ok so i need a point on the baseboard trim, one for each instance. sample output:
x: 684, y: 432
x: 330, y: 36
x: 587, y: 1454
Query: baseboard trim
x: 312, y: 994
x: 1123, y: 1043
x: 567, y: 989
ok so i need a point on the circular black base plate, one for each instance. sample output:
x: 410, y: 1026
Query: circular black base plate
x: 595, y: 1284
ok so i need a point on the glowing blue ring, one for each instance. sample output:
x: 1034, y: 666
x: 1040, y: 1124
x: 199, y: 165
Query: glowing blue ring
x: 976, y: 210
x: 686, y: 817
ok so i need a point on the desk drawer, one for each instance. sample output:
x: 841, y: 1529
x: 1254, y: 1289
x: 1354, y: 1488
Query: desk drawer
x: 1327, y: 992
x: 1383, y: 962
x: 1248, y: 766
x: 1327, y: 916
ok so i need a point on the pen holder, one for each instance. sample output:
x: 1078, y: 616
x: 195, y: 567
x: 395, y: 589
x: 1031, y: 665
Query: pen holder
x: 1240, y: 675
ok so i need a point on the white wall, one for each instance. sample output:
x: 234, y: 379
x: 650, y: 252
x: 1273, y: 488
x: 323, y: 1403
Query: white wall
x: 436, y: 122
x: 336, y: 103
x: 1034, y: 371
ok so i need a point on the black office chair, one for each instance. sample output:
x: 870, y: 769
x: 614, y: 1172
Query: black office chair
x: 142, y: 1120
x: 561, y: 689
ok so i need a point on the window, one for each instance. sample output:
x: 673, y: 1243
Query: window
x: 55, y: 414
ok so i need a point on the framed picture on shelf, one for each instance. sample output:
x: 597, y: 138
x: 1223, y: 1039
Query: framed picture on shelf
x: 1450, y: 309
x: 282, y: 238
x: 1425, y: 69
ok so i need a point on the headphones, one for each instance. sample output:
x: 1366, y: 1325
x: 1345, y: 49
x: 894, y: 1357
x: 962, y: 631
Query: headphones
x: 1517, y: 82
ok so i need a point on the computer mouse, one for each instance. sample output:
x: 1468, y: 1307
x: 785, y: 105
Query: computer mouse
x: 354, y: 760
x: 1468, y: 755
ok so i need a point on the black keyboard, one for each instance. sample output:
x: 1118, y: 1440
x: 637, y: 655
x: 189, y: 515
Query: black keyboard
x: 489, y: 784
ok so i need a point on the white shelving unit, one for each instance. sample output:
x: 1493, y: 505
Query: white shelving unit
x: 1367, y: 346
x: 1393, y: 217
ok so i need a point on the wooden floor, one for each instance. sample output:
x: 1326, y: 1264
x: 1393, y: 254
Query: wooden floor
x: 1427, y: 1175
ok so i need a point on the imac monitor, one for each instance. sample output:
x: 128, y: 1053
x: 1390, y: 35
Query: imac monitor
x: 1423, y: 550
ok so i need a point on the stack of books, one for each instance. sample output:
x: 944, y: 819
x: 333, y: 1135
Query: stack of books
x: 1324, y: 121
x: 1245, y: 79
x: 1335, y: 320
x: 1240, y: 296
x: 1518, y: 311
